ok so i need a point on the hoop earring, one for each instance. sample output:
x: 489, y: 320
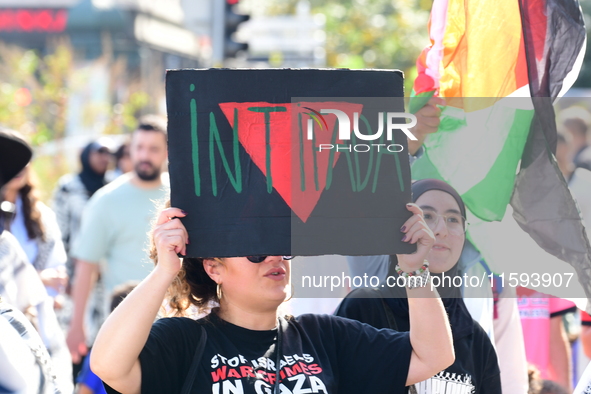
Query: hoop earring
x: 290, y: 294
x: 218, y: 291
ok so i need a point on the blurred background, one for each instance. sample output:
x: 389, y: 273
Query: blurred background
x: 71, y: 70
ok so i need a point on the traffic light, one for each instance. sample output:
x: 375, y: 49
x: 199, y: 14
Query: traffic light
x: 231, y: 22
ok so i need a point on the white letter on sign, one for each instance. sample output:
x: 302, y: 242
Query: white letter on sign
x: 402, y: 126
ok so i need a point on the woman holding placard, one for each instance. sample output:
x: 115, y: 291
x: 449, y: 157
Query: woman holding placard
x: 237, y: 347
x: 476, y: 368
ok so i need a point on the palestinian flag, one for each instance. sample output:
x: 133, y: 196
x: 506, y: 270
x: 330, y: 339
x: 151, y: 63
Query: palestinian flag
x: 500, y: 65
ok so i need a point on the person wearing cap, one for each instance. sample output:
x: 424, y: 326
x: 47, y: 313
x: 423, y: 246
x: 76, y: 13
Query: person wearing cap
x: 15, y: 270
x: 24, y: 360
x: 114, y: 227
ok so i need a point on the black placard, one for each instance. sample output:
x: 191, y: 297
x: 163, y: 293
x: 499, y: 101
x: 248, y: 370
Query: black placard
x: 251, y: 161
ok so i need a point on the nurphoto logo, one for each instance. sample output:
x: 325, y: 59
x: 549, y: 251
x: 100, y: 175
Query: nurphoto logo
x: 393, y: 120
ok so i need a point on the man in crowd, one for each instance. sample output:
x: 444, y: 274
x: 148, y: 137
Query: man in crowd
x: 113, y: 235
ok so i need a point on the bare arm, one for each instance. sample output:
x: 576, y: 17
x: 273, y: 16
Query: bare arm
x: 560, y: 363
x: 115, y: 354
x: 430, y: 334
x: 85, y: 277
x: 84, y: 389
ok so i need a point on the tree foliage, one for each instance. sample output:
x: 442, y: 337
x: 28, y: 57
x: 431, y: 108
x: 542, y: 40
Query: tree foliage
x: 35, y: 94
x: 385, y: 34
x: 34, y: 91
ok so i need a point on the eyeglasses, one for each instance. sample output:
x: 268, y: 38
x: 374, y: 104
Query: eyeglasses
x: 260, y: 259
x: 456, y: 223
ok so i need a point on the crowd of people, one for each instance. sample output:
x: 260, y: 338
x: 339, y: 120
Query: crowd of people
x: 89, y: 280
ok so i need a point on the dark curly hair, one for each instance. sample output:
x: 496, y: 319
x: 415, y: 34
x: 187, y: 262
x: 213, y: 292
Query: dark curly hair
x: 192, y: 286
x: 31, y: 213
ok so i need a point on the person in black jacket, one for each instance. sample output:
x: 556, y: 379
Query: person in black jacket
x: 475, y: 369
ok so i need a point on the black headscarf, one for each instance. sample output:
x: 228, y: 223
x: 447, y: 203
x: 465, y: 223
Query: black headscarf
x: 460, y: 319
x: 92, y: 180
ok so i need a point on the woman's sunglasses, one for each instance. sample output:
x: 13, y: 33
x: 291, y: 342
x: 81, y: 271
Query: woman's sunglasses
x: 260, y: 259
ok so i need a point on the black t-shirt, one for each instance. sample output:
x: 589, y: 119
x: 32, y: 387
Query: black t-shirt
x: 320, y: 354
x: 475, y: 369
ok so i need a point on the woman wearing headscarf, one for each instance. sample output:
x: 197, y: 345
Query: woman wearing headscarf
x: 475, y: 369
x: 74, y: 190
x: 69, y: 199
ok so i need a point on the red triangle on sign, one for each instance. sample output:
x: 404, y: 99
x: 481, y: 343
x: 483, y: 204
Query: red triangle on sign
x: 275, y: 137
